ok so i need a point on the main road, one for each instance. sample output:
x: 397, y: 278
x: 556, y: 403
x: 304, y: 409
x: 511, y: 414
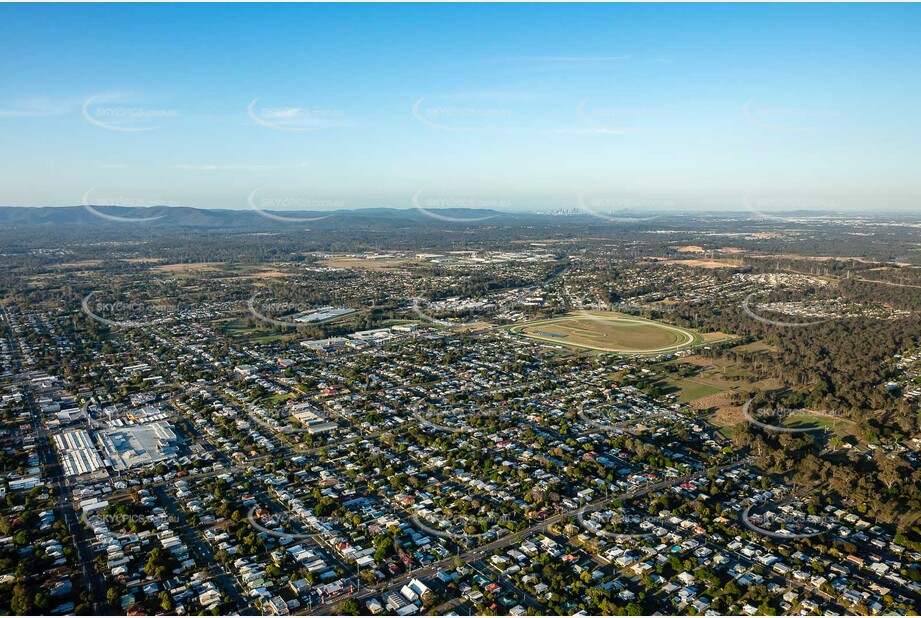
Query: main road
x: 510, y: 539
x: 60, y: 488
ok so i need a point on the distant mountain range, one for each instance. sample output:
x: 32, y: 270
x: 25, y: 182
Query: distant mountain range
x: 181, y: 216
x: 205, y: 218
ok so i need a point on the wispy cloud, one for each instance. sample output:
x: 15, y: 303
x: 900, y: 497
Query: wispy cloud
x: 570, y: 58
x: 237, y: 167
x: 556, y: 62
x: 591, y: 131
x: 36, y: 107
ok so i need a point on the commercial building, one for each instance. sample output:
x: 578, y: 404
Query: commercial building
x: 311, y: 419
x: 78, y: 453
x: 128, y: 447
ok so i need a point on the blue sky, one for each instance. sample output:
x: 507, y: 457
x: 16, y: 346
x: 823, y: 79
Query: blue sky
x: 524, y: 107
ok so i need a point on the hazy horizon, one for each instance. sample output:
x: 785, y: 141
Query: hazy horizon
x: 536, y: 210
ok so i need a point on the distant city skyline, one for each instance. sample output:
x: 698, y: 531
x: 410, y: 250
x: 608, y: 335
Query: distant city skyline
x: 510, y: 107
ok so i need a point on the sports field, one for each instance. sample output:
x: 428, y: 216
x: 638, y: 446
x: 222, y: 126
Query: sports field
x: 611, y: 332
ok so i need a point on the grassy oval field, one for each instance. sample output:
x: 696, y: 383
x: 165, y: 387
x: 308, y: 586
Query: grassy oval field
x: 610, y: 332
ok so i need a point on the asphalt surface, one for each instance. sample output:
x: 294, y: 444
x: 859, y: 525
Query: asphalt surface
x: 203, y: 553
x: 478, y: 553
x: 61, y: 489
